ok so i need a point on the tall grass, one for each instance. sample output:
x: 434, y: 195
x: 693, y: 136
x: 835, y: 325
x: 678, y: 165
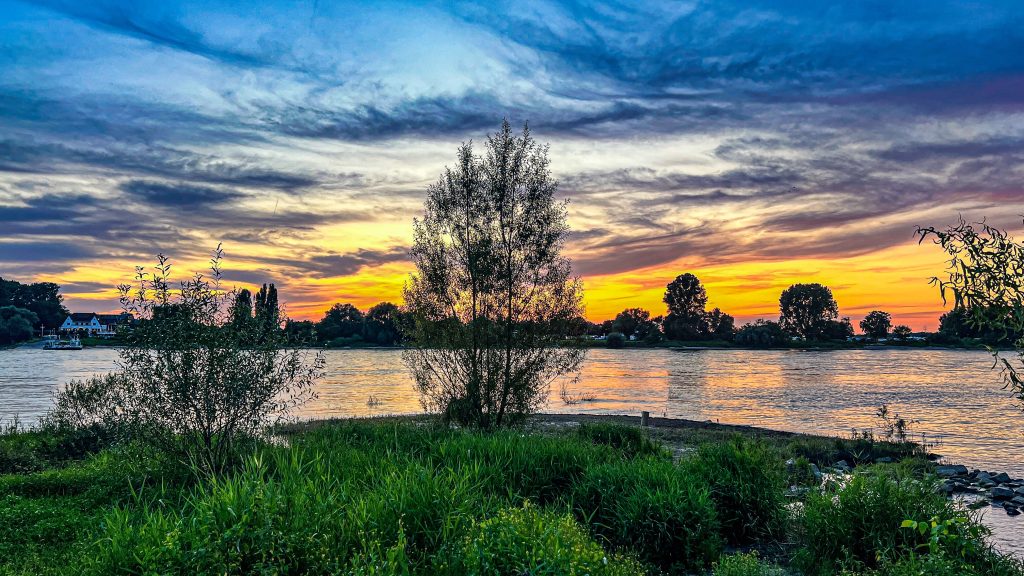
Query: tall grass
x: 663, y: 513
x: 748, y: 483
x: 386, y: 497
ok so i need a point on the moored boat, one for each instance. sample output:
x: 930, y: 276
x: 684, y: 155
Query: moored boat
x: 72, y: 344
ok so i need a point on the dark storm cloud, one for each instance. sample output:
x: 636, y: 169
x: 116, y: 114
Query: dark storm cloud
x: 329, y: 265
x: 32, y: 252
x: 184, y: 197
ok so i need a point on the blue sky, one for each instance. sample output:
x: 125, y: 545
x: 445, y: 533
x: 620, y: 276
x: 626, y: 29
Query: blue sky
x: 687, y: 135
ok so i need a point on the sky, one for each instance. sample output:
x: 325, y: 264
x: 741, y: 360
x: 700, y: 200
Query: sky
x: 754, y: 144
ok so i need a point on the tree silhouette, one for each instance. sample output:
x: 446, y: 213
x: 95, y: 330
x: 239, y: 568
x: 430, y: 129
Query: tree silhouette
x: 686, y: 300
x: 492, y: 296
x: 808, y: 311
x: 876, y: 324
x: 902, y: 332
x: 241, y: 310
x: 382, y: 324
x: 632, y: 321
x: 340, y: 321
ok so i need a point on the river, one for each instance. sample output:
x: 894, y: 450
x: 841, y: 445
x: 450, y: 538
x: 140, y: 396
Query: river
x: 953, y: 397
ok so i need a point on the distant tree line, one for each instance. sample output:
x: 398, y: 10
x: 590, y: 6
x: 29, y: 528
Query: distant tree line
x: 27, y: 308
x: 807, y: 312
x: 383, y: 324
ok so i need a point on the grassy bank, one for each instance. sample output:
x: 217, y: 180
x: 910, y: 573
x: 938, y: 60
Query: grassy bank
x: 409, y: 496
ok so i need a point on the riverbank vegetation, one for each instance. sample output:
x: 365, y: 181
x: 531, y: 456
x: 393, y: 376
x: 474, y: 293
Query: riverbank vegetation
x: 415, y: 496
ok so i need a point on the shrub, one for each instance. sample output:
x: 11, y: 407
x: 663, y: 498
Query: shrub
x: 748, y: 484
x: 531, y: 541
x: 191, y: 381
x: 941, y: 565
x: 745, y: 565
x: 23, y: 451
x: 858, y: 523
x: 631, y: 441
x: 654, y: 508
x: 762, y: 334
x: 615, y: 340
x: 16, y: 324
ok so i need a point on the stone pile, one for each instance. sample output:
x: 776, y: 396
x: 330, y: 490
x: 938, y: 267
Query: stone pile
x: 994, y: 487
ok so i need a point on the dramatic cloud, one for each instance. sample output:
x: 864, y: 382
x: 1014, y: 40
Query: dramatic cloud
x: 731, y: 136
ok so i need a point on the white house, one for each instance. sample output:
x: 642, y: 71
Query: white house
x: 87, y: 322
x: 94, y: 324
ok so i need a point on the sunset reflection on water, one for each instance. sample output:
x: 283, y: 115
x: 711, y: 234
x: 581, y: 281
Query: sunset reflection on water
x: 953, y: 395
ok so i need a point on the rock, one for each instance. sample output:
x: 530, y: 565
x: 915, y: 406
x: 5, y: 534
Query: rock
x: 1001, y: 493
x: 1011, y: 510
x: 983, y: 477
x: 951, y: 471
x: 1020, y: 491
x: 816, y: 472
x: 1018, y: 500
x: 842, y: 465
x: 1001, y: 477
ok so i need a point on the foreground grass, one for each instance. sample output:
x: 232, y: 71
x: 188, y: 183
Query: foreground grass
x: 411, y: 497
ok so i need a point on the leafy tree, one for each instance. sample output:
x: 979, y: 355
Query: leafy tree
x: 300, y: 331
x: 16, y: 324
x: 902, y: 332
x: 340, y: 321
x: 955, y: 323
x: 492, y: 295
x: 686, y: 300
x: 807, y: 311
x: 631, y: 320
x: 267, y: 311
x: 651, y: 332
x: 580, y: 326
x: 762, y: 334
x: 721, y: 326
x: 383, y: 324
x: 985, y: 280
x: 838, y: 330
x: 241, y: 311
x: 42, y: 299
x: 607, y: 327
x: 186, y: 384
x: 876, y: 324
x: 615, y: 340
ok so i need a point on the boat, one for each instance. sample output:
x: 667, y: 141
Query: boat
x: 72, y: 344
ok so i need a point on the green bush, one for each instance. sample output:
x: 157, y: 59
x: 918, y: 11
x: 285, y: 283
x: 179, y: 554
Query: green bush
x: 748, y: 484
x: 23, y: 451
x: 661, y: 512
x: 615, y: 340
x: 631, y: 441
x: 528, y: 540
x: 857, y: 524
x: 745, y: 565
x: 942, y: 565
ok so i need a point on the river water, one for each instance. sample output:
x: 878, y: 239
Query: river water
x: 953, y: 397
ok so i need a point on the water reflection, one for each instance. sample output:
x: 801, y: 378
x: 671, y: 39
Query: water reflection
x: 954, y: 396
